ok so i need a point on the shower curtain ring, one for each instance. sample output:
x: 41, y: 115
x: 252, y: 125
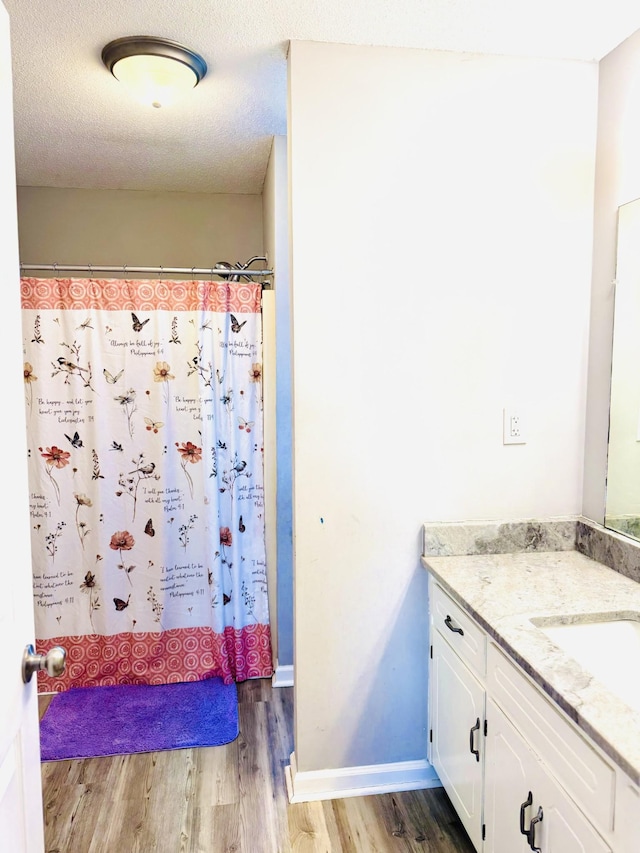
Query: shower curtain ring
x: 124, y: 269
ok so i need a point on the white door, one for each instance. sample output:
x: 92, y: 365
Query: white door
x: 20, y: 781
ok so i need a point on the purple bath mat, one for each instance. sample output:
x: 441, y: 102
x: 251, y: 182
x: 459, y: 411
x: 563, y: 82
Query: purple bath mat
x: 85, y: 722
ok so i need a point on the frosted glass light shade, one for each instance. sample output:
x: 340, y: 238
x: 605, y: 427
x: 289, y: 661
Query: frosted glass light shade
x: 156, y: 71
x: 154, y: 80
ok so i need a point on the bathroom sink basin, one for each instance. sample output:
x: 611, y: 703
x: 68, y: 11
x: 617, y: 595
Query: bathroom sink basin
x: 609, y: 650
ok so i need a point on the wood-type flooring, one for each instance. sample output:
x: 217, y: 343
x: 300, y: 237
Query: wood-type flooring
x: 231, y: 799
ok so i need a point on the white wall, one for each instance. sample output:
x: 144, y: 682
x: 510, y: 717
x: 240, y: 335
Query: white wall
x: 441, y: 212
x: 136, y: 228
x: 275, y: 198
x: 617, y: 182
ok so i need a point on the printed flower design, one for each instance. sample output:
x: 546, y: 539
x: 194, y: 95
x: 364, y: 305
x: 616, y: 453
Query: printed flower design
x: 255, y: 377
x: 189, y: 452
x: 29, y: 379
x: 227, y: 400
x: 249, y: 599
x: 184, y: 530
x: 51, y: 540
x: 128, y: 403
x: 174, y: 339
x: 162, y: 373
x: 156, y: 606
x: 37, y: 333
x: 226, y: 541
x: 121, y: 541
x: 81, y: 526
x: 54, y: 457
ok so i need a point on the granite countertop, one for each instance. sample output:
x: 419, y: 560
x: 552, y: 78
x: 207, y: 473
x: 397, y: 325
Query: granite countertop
x: 504, y: 592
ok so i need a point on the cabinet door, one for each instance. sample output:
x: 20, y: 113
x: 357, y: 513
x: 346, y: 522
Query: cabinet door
x: 510, y: 774
x: 518, y: 784
x: 627, y: 811
x: 563, y: 828
x: 457, y: 726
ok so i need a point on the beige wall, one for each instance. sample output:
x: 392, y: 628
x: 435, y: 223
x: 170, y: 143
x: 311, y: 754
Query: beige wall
x: 114, y: 227
x: 617, y: 182
x: 442, y: 218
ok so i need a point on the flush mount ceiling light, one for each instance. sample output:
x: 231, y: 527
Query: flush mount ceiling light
x: 157, y: 70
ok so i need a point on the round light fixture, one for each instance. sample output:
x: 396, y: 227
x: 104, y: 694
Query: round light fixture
x: 156, y: 70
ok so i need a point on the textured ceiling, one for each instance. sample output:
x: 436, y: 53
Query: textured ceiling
x: 75, y: 126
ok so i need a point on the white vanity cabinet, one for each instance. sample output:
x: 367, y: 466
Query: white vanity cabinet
x: 520, y: 775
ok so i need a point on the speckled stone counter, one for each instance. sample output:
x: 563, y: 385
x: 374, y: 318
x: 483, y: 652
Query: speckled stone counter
x: 505, y: 591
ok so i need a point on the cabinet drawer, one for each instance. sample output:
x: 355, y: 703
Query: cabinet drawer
x: 459, y: 629
x: 583, y: 773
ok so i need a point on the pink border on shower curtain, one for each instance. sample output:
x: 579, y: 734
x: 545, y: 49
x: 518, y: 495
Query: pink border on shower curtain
x: 178, y: 654
x: 145, y: 295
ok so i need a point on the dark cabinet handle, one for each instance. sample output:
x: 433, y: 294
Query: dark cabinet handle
x: 473, y: 729
x: 452, y: 627
x: 532, y: 831
x: 523, y: 808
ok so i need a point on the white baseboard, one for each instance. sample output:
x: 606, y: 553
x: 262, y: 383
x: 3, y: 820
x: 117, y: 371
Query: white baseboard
x: 283, y: 676
x: 362, y: 781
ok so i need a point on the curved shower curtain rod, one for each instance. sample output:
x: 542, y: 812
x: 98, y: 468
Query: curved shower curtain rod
x: 223, y: 269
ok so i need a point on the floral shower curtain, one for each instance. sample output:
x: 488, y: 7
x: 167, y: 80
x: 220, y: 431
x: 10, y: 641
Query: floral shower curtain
x: 144, y: 420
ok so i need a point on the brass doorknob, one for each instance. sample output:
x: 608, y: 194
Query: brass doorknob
x: 52, y: 663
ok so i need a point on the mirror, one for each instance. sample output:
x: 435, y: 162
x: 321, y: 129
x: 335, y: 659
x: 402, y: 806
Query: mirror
x: 622, y: 508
